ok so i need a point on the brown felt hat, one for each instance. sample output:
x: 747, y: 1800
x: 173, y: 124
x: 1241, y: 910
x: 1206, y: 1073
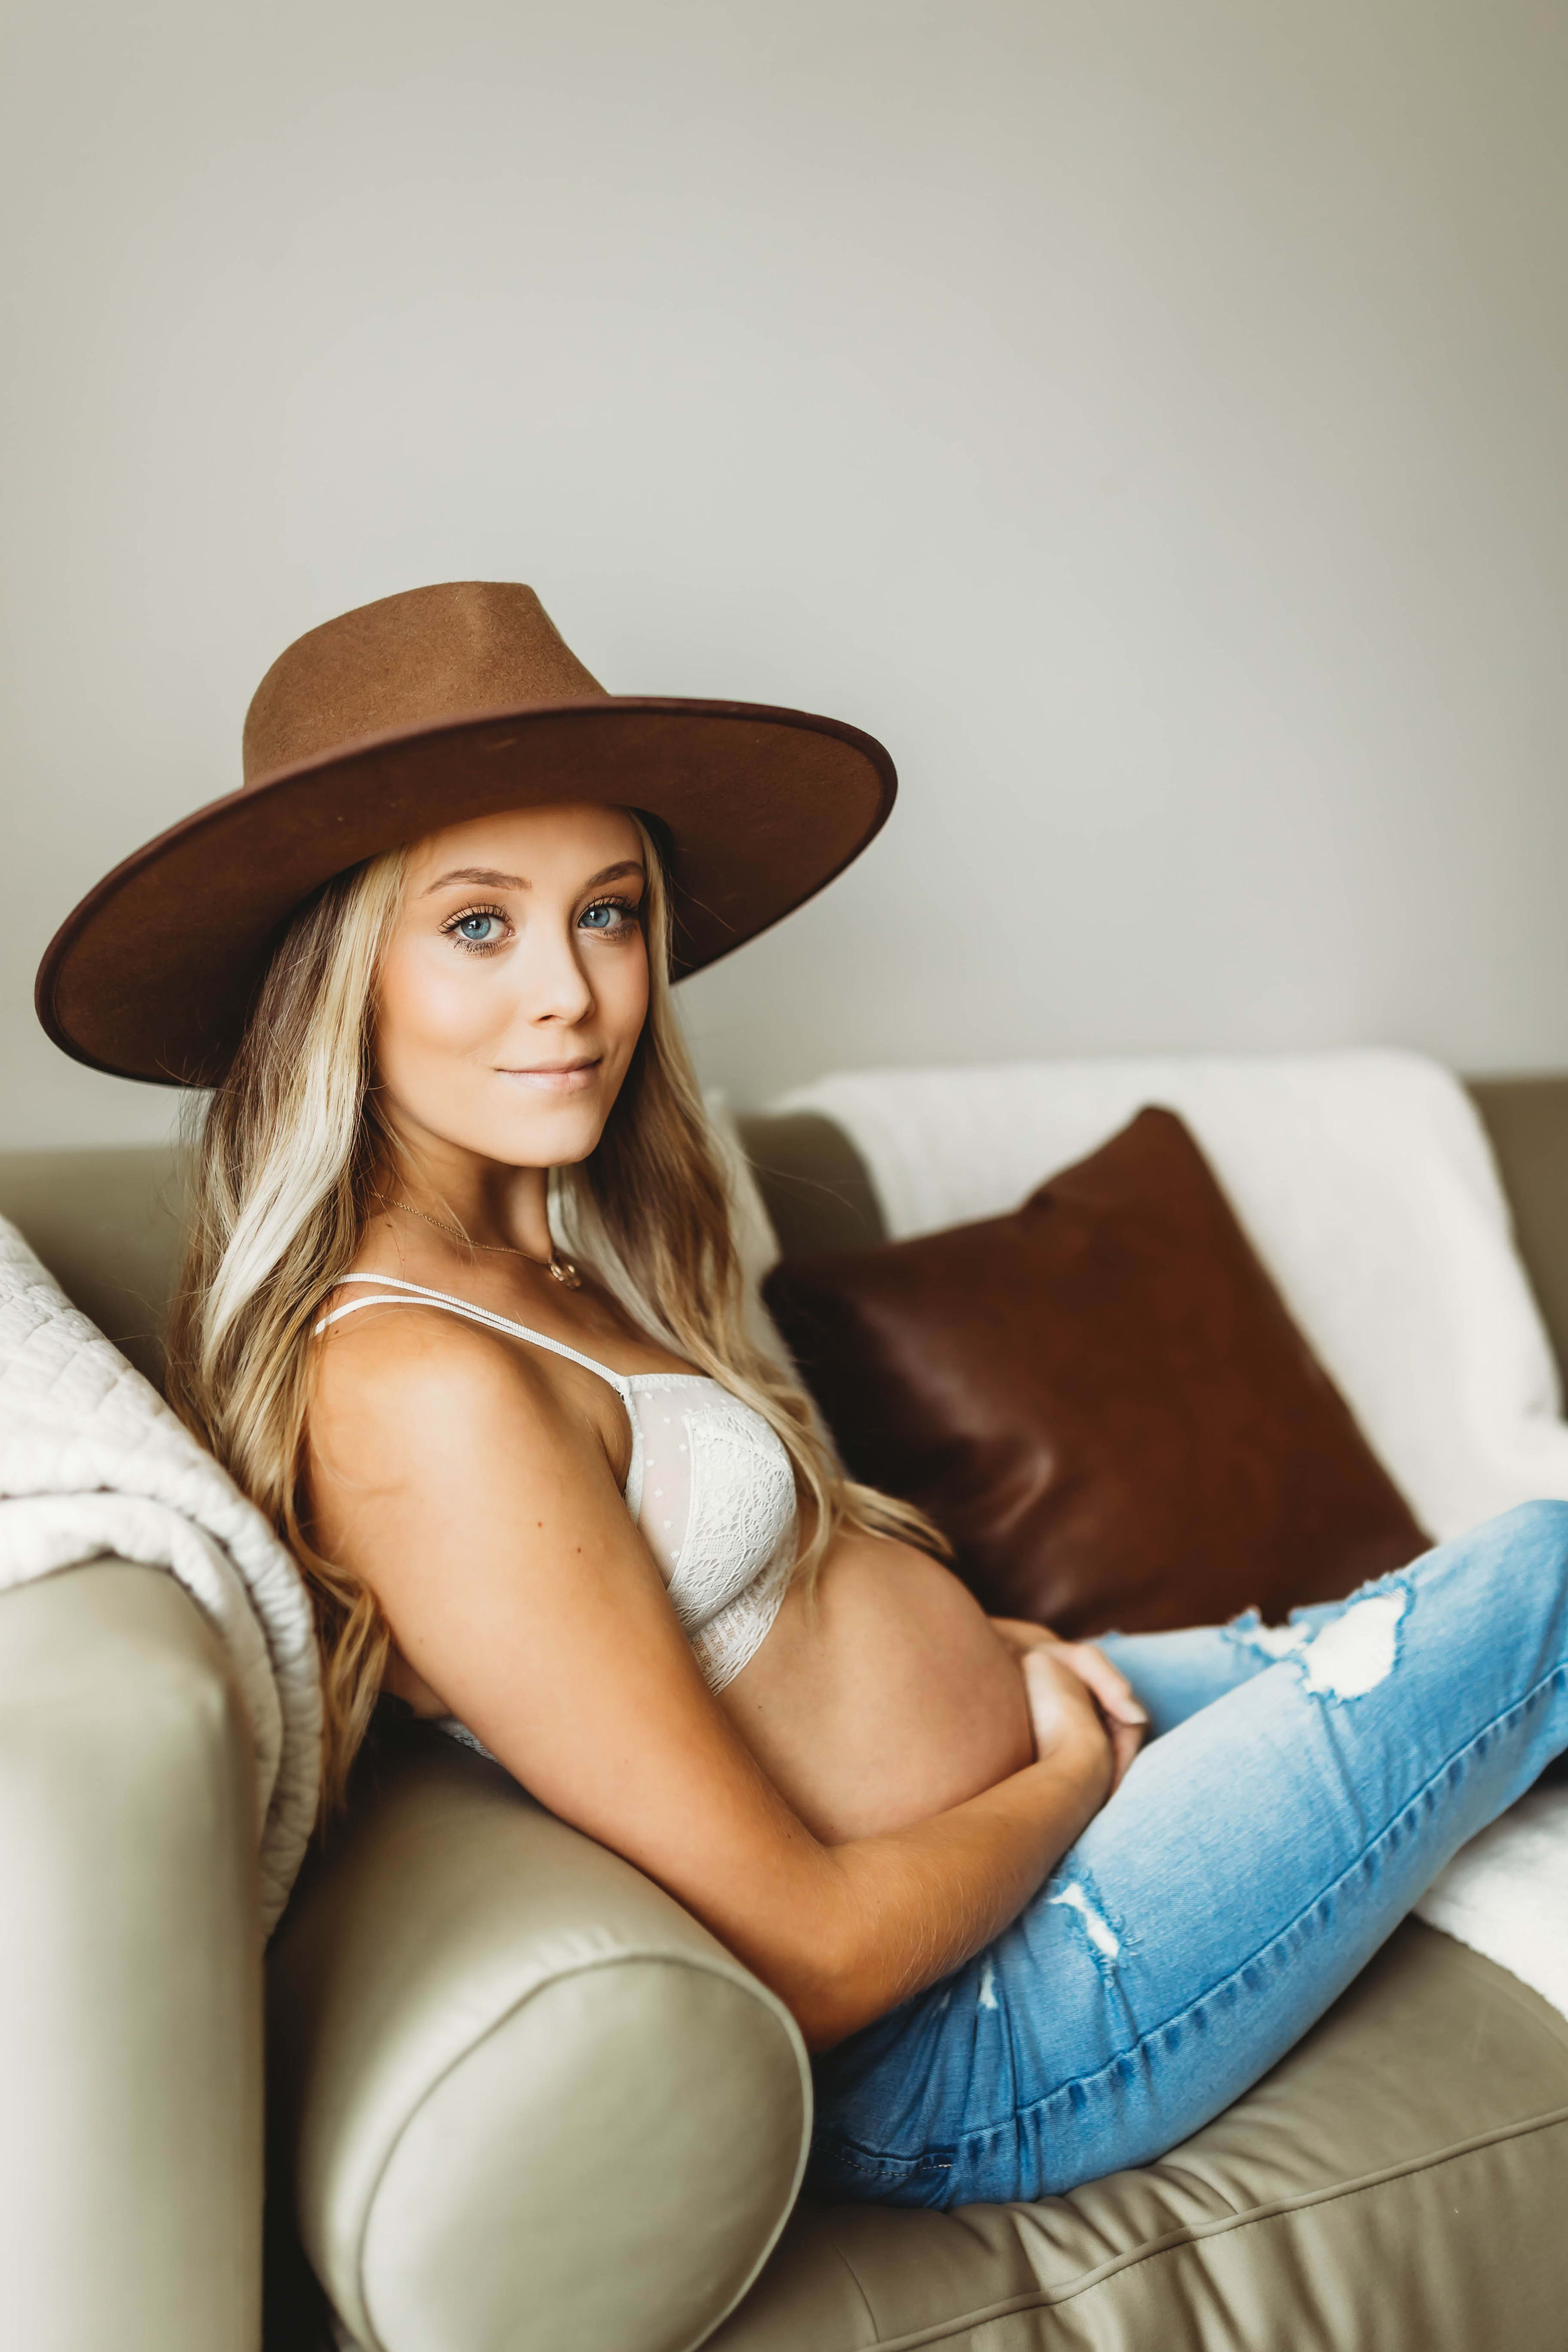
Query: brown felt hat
x: 418, y: 712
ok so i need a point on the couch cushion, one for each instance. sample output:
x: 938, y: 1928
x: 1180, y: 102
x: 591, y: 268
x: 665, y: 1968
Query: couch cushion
x: 525, y: 2100
x: 1397, y: 2184
x: 1101, y: 1399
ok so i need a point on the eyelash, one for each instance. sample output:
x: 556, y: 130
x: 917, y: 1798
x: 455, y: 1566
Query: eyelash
x: 467, y: 914
x: 629, y: 907
x: 452, y: 926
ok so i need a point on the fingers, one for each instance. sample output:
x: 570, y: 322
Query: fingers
x: 1126, y: 1739
x: 1109, y: 1687
x: 1043, y: 1696
x: 1061, y: 1706
x: 1125, y: 1719
x: 1021, y: 1636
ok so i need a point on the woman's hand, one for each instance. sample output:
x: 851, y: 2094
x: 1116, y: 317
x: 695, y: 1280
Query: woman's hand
x: 1069, y: 1728
x: 1126, y: 1721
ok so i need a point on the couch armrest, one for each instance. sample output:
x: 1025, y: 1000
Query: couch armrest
x: 527, y: 2101
x: 129, y: 1974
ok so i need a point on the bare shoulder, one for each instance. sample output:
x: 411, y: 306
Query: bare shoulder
x: 398, y: 1385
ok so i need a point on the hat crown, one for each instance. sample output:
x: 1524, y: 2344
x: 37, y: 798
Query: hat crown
x: 409, y: 662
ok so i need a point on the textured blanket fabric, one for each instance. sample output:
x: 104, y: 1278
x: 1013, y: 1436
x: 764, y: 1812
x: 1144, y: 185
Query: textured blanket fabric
x: 1506, y: 1893
x: 1367, y: 1185
x: 93, y: 1461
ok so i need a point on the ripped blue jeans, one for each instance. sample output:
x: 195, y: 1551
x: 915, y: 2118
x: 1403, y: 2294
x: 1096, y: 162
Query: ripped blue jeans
x: 1307, y: 1784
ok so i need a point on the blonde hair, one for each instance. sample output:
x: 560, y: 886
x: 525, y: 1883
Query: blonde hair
x: 286, y: 1168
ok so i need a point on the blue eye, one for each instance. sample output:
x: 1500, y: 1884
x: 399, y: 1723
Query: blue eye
x: 607, y: 916
x: 478, y: 931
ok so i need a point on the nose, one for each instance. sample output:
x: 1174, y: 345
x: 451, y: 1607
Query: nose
x: 554, y: 983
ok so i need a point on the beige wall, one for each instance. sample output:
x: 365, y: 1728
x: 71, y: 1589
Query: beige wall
x: 1149, y: 419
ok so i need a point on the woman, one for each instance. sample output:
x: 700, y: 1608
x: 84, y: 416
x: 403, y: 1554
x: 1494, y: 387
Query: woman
x: 462, y: 1313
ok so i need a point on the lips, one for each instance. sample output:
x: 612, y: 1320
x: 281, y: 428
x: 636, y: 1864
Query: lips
x: 557, y: 1078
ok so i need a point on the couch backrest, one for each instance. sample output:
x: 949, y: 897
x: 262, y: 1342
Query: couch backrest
x: 107, y: 1224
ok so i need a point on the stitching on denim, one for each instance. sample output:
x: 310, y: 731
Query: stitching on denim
x: 1179, y: 2017
x: 837, y: 2151
x: 833, y: 2148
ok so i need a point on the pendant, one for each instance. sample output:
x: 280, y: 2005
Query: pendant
x: 562, y: 1271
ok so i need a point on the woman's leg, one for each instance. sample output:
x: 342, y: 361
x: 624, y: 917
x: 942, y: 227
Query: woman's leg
x: 1176, y: 1673
x: 1252, y: 1862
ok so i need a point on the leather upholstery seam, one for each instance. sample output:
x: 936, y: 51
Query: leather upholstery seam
x: 853, y: 2275
x: 948, y: 2331
x: 727, y: 1972
x: 1533, y: 2008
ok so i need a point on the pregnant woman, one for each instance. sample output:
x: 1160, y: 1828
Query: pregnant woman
x: 462, y: 1312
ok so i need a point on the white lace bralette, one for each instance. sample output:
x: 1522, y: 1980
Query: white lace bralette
x: 711, y: 1487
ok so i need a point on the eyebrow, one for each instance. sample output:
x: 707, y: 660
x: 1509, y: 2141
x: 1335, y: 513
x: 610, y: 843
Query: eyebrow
x: 487, y: 879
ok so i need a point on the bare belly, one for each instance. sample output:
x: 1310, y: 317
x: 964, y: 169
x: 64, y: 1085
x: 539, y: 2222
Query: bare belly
x: 878, y: 1701
x: 884, y: 1698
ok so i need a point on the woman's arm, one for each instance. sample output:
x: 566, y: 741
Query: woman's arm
x: 926, y: 1899
x: 476, y: 1497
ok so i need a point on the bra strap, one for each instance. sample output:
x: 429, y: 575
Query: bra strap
x: 414, y: 1294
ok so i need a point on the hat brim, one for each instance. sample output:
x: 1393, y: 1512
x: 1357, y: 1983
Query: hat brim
x: 153, y: 975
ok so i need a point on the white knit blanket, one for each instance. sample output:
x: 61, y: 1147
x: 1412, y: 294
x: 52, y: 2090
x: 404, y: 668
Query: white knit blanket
x: 92, y: 1462
x: 1367, y: 1185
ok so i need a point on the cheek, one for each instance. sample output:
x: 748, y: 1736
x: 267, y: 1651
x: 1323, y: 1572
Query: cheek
x: 432, y: 1005
x: 619, y: 981
x: 623, y: 994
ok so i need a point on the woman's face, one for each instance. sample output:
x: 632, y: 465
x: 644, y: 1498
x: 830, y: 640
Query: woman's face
x: 515, y: 984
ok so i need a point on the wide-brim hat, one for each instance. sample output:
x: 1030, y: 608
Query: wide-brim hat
x: 418, y: 712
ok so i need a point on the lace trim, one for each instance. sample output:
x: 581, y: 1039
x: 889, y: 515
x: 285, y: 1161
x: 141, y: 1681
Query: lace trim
x: 729, y: 1581
x: 732, y: 1639
x: 740, y: 1514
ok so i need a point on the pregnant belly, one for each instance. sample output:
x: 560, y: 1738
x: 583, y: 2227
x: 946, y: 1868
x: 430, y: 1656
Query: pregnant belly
x: 883, y: 1700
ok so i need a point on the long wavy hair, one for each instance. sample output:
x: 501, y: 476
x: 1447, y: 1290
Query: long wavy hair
x: 291, y: 1153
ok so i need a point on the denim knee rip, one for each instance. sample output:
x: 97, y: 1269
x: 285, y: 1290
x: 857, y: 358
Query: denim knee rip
x: 1105, y: 1936
x: 1348, y: 1656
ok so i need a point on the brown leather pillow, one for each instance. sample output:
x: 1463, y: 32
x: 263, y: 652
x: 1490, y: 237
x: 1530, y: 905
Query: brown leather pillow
x: 1102, y: 1400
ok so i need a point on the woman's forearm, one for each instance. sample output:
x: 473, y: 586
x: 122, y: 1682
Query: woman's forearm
x: 900, y: 1911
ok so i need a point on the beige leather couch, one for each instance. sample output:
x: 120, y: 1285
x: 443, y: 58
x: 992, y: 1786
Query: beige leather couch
x: 522, y: 2103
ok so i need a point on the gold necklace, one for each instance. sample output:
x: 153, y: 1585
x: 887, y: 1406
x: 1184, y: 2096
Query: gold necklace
x: 562, y: 1269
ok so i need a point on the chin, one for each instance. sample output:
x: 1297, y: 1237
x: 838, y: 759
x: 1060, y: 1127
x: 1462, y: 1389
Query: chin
x: 558, y: 1142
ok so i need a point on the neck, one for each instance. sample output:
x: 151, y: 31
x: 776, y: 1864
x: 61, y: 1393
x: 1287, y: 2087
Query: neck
x: 492, y: 1205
